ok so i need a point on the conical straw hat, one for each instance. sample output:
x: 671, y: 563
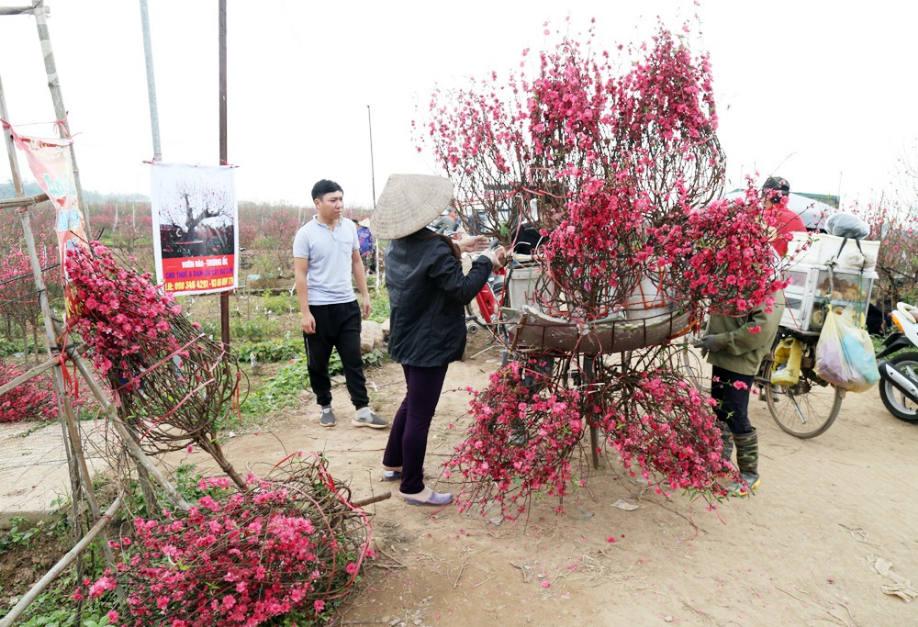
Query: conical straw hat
x: 408, y: 203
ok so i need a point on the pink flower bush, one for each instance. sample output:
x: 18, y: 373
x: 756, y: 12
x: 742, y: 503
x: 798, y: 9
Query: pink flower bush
x: 235, y: 559
x: 33, y: 400
x: 722, y: 256
x: 897, y: 261
x: 624, y: 171
x: 512, y: 408
x: 173, y: 382
x: 121, y: 313
x: 661, y: 422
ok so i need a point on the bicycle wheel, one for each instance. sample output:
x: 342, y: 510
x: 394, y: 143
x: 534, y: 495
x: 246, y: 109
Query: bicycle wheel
x: 696, y: 367
x: 807, y: 408
x: 898, y: 404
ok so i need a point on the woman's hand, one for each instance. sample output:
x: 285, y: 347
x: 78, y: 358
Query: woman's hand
x: 498, y: 256
x: 472, y: 244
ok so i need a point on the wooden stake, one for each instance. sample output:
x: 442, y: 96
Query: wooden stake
x: 57, y: 98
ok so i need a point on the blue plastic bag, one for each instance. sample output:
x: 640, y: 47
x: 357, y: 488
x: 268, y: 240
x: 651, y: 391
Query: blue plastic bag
x: 844, y: 353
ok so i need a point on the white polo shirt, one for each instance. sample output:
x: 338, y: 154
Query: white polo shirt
x: 330, y: 256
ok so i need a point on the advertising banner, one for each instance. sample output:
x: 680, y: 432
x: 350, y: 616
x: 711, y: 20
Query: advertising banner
x: 52, y: 166
x: 49, y: 160
x: 195, y: 227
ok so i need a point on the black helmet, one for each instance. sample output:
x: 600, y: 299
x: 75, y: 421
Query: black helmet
x: 776, y: 188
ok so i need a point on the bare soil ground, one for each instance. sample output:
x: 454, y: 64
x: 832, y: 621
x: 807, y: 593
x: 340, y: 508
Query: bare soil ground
x: 806, y: 549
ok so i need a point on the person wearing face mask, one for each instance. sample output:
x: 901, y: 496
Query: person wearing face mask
x: 735, y: 347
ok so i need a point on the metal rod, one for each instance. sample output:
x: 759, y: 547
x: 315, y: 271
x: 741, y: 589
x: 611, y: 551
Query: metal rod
x: 373, y: 188
x: 151, y: 80
x: 224, y: 154
x: 372, y: 165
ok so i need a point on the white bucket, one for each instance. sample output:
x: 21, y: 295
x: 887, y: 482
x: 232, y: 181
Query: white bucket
x: 647, y: 300
x: 522, y: 287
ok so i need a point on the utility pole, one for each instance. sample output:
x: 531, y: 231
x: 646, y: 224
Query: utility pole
x: 373, y: 187
x: 224, y: 158
x: 151, y: 80
x: 372, y: 166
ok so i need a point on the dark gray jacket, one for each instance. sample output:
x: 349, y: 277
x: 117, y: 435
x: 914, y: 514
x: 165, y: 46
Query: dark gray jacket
x: 427, y: 297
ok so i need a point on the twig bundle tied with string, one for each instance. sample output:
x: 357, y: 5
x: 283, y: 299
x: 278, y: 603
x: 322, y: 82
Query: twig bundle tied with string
x: 292, y: 542
x: 172, y: 382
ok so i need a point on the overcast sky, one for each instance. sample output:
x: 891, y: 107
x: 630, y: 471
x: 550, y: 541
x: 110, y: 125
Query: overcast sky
x: 822, y: 93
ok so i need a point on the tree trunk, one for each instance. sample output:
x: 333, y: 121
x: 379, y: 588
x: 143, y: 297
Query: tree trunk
x: 35, y: 342
x: 25, y: 342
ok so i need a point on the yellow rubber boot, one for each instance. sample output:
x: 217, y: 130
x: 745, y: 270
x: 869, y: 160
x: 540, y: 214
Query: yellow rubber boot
x: 790, y: 374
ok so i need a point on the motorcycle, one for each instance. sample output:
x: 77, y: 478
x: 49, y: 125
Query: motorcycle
x: 899, y: 375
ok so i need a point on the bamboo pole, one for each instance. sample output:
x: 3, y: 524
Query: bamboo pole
x: 24, y: 201
x: 133, y: 448
x: 15, y: 10
x: 57, y: 98
x: 39, y: 284
x: 80, y: 478
x: 62, y: 565
x: 34, y: 372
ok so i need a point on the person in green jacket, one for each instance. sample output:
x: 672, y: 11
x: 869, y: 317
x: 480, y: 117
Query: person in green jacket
x: 735, y: 348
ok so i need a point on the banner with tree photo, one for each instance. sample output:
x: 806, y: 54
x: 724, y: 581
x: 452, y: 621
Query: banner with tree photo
x: 195, y: 227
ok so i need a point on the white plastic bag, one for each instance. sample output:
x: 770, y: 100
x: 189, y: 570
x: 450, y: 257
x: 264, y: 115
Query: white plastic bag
x: 844, y: 353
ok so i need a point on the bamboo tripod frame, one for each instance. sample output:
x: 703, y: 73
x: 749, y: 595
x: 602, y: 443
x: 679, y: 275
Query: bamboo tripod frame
x: 82, y: 493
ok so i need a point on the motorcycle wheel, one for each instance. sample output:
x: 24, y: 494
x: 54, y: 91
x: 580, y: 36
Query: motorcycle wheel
x: 898, y: 404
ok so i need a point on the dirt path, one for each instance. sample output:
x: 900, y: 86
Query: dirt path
x: 802, y: 551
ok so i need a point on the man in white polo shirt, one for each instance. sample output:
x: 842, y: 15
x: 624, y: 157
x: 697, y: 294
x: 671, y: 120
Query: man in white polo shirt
x: 326, y: 253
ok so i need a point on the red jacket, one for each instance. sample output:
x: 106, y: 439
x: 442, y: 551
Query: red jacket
x: 787, y: 223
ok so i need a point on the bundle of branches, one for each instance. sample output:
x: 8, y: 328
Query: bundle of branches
x: 292, y: 542
x: 606, y: 157
x: 532, y: 419
x: 527, y: 429
x: 172, y: 382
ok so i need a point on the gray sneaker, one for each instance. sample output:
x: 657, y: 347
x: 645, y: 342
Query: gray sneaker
x: 327, y: 417
x: 372, y: 420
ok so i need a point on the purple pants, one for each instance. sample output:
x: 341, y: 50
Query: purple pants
x: 408, y: 438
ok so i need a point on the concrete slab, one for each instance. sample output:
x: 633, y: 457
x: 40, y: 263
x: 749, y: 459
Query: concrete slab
x: 33, y: 465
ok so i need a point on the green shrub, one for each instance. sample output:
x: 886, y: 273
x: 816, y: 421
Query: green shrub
x: 270, y: 351
x: 283, y: 389
x: 254, y: 330
x: 379, y: 306
x: 281, y: 304
x: 8, y: 348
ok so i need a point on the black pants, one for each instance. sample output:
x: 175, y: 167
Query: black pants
x: 337, y: 326
x: 732, y: 400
